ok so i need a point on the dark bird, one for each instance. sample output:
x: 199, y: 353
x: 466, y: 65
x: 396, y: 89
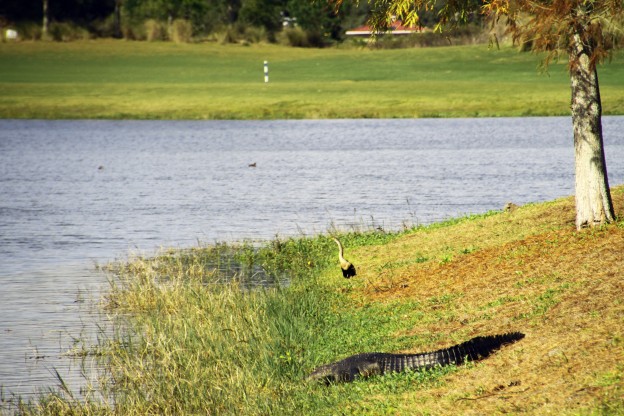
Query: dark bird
x: 252, y: 165
x: 348, y: 270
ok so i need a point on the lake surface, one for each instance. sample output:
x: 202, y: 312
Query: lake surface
x: 74, y: 194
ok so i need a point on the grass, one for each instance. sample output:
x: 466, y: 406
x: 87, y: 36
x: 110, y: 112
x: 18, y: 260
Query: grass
x: 195, y: 335
x: 151, y: 80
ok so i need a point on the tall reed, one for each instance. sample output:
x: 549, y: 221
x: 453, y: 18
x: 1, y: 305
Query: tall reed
x: 204, y: 337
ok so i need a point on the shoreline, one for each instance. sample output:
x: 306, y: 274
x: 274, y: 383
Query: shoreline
x: 426, y: 288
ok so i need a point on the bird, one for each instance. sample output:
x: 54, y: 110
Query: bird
x: 510, y: 207
x: 348, y: 269
x: 252, y: 165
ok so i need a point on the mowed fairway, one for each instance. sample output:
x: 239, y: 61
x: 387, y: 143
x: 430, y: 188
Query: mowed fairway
x: 122, y: 79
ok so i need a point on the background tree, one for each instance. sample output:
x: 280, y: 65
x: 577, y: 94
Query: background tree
x: 117, y: 19
x: 168, y: 10
x: 45, y: 19
x: 263, y: 13
x: 77, y: 11
x: 584, y: 31
x: 318, y: 17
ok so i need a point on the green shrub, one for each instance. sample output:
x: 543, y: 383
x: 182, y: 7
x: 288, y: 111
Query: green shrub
x: 253, y: 34
x: 66, y: 31
x: 155, y: 30
x: 298, y: 37
x: 28, y: 30
x: 181, y: 31
x: 232, y: 34
x: 104, y: 28
x: 243, y: 34
x: 133, y: 31
x: 315, y: 39
x: 288, y: 37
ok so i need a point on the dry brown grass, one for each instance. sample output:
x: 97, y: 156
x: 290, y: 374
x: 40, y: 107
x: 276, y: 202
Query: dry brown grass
x: 528, y: 270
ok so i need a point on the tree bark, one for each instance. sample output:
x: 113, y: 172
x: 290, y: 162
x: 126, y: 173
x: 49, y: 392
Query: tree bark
x: 44, y: 25
x: 593, y: 197
x: 117, y: 20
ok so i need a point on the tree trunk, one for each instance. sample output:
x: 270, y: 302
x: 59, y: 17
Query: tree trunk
x: 44, y: 26
x: 117, y: 20
x: 593, y: 197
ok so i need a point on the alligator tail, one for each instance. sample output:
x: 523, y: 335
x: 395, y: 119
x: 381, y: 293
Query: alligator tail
x: 472, y: 350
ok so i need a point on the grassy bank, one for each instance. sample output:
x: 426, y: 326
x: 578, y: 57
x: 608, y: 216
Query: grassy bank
x: 190, y: 344
x: 151, y: 80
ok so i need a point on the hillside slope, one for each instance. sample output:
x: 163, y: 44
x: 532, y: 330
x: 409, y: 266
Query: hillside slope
x: 526, y: 270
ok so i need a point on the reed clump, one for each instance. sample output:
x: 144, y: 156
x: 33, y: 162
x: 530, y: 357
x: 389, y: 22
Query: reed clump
x: 217, y: 329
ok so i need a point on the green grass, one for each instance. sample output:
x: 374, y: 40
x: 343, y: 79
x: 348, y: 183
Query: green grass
x: 193, y: 343
x: 121, y: 79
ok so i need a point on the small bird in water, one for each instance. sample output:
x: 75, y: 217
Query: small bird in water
x: 252, y: 165
x: 348, y: 269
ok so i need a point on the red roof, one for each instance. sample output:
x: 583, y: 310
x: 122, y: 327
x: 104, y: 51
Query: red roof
x: 396, y: 28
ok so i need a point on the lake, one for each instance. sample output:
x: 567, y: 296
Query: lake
x: 75, y: 194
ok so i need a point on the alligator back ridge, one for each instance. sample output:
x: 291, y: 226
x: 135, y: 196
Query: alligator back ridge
x: 367, y: 364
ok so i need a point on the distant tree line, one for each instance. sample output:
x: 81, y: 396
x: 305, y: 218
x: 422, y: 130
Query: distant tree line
x: 302, y: 22
x: 129, y: 18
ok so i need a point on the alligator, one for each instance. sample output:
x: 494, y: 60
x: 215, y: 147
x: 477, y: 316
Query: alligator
x: 367, y: 364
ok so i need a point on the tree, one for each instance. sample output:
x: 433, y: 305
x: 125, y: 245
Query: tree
x: 317, y: 17
x: 117, y: 19
x: 77, y: 11
x: 168, y: 10
x: 262, y: 13
x: 44, y: 26
x: 586, y: 31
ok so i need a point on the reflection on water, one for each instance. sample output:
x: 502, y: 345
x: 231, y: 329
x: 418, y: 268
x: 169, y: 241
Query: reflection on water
x: 77, y: 193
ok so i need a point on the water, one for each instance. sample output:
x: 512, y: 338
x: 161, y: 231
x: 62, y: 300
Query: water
x: 78, y: 193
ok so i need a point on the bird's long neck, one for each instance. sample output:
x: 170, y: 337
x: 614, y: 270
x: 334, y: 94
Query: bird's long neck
x: 340, y: 250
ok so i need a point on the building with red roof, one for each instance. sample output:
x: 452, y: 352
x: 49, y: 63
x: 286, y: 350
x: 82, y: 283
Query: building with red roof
x: 396, y: 28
